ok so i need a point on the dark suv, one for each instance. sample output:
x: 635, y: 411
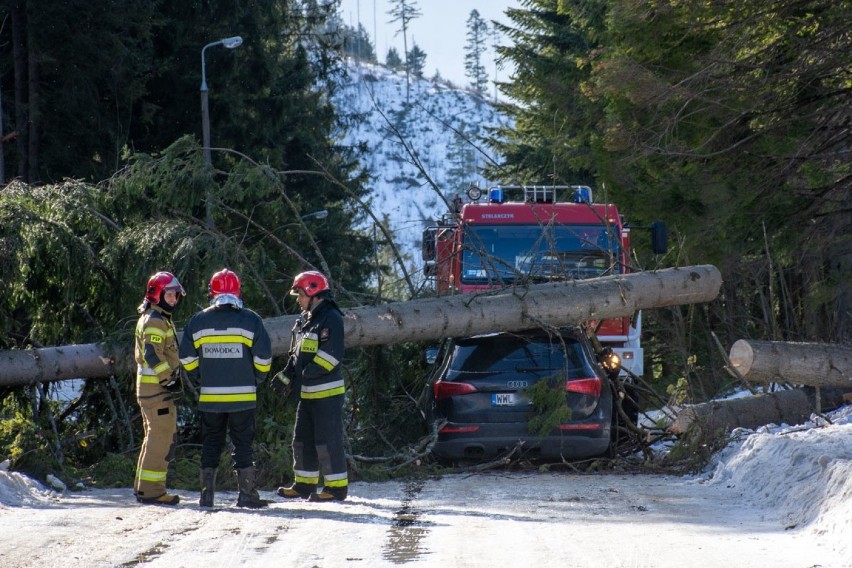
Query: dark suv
x: 481, y: 386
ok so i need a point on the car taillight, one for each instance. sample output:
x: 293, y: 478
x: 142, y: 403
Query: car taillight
x: 444, y: 390
x: 580, y: 427
x: 453, y: 429
x: 591, y: 386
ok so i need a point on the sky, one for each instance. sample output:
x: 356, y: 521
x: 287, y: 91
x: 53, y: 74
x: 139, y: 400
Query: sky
x: 778, y: 496
x: 441, y: 31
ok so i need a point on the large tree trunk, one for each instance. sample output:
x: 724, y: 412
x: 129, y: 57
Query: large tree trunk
x: 721, y: 416
x: 812, y: 364
x: 19, y: 50
x: 551, y: 304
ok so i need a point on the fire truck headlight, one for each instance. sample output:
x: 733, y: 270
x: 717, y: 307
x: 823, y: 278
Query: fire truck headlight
x: 627, y: 355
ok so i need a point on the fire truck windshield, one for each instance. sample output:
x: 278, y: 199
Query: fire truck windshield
x: 502, y: 254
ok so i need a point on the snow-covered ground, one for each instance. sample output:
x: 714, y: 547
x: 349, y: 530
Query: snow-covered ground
x: 776, y: 497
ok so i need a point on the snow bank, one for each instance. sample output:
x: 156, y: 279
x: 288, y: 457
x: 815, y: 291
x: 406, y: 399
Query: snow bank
x: 802, y: 472
x: 17, y: 490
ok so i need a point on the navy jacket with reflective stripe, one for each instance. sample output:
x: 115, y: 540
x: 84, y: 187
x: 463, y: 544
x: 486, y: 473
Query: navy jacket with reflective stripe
x: 227, y: 352
x: 319, y: 351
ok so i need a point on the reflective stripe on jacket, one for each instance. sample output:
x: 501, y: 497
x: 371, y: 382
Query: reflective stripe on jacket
x: 227, y: 351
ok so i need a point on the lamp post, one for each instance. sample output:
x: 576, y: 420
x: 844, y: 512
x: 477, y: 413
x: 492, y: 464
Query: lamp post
x: 230, y: 43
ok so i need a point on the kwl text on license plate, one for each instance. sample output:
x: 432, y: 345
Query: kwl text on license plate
x: 503, y: 399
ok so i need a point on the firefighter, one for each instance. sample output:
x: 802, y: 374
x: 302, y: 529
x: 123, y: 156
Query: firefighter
x: 226, y: 350
x: 157, y: 378
x: 314, y: 369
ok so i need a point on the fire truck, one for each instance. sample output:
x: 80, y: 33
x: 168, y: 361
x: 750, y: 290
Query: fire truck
x: 511, y: 235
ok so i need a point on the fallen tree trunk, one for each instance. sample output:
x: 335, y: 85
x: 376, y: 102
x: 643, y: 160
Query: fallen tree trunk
x: 812, y: 364
x: 721, y: 416
x: 552, y: 304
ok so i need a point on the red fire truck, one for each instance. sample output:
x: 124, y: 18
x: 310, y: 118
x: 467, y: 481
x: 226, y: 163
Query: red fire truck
x: 529, y: 234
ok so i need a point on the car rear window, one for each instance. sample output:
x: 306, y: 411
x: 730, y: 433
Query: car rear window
x: 499, y: 354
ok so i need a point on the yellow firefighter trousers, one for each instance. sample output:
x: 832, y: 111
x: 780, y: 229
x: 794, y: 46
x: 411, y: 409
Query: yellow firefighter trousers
x: 159, y: 421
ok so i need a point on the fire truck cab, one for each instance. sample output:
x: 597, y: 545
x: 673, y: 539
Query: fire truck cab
x: 531, y: 234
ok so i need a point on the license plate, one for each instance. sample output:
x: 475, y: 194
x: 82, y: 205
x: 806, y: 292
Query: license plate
x: 503, y: 399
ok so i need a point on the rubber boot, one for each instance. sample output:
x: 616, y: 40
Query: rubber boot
x: 208, y: 486
x: 247, y: 483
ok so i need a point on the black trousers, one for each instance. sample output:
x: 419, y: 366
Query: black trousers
x: 239, y: 425
x: 318, y: 440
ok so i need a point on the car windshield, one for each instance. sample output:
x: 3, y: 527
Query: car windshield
x: 536, y: 356
x: 504, y: 253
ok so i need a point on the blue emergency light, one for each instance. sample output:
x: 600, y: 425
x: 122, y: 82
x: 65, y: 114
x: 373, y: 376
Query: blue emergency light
x: 582, y: 194
x: 495, y: 195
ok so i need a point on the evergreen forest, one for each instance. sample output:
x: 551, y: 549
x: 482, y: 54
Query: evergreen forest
x: 729, y: 120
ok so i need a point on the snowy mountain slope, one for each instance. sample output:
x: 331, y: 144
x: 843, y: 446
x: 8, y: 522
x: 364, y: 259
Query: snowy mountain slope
x: 438, y: 126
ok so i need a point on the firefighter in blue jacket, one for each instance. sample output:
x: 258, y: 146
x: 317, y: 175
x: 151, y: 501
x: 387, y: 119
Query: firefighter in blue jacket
x: 314, y: 368
x: 226, y: 350
x: 157, y: 375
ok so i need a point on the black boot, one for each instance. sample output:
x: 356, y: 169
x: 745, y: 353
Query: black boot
x: 249, y: 497
x: 329, y: 494
x: 297, y: 491
x: 208, y: 486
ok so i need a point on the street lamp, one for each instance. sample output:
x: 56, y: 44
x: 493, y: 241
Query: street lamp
x: 230, y: 43
x: 321, y: 214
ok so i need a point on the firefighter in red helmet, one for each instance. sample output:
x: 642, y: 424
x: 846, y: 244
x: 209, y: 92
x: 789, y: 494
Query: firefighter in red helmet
x: 226, y: 350
x: 314, y: 368
x: 157, y: 376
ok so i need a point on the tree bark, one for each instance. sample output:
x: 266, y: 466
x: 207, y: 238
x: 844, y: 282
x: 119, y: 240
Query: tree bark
x: 812, y: 364
x: 19, y: 50
x: 721, y: 416
x: 33, y: 110
x: 551, y: 304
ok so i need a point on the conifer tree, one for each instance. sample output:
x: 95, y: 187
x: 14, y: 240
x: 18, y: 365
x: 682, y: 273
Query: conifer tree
x: 416, y: 61
x: 357, y: 43
x: 393, y: 60
x: 403, y: 11
x: 474, y: 50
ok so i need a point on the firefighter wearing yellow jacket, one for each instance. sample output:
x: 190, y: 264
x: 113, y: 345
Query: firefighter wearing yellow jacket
x: 226, y: 350
x: 314, y: 368
x: 157, y: 374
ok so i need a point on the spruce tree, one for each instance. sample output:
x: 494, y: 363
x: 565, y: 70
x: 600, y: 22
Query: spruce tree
x: 474, y: 51
x: 416, y: 61
x: 393, y: 60
x: 403, y: 11
x: 357, y: 44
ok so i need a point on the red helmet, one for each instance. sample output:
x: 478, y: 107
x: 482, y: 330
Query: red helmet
x: 224, y: 282
x: 161, y: 282
x: 312, y: 282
